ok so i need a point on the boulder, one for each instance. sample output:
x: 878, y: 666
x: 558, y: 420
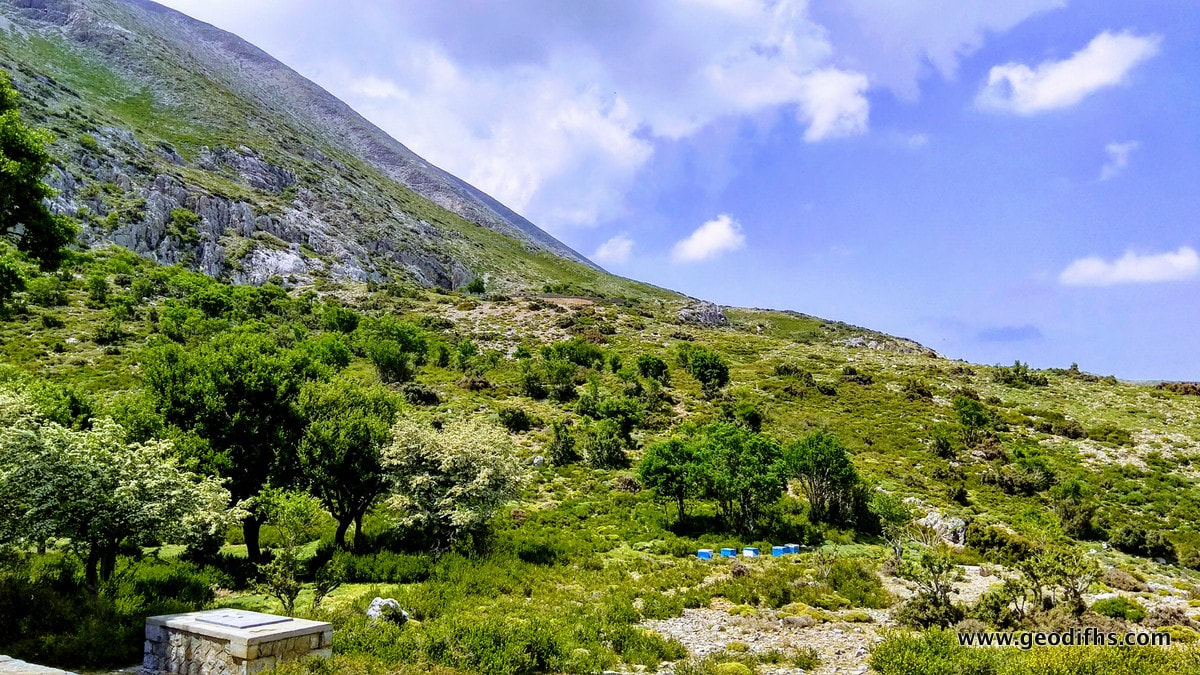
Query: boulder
x: 387, y: 609
x: 703, y: 314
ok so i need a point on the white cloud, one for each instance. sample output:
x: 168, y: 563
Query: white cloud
x: 1104, y: 62
x: 1132, y: 268
x: 719, y: 235
x: 899, y: 43
x: 615, y: 250
x: 834, y: 105
x: 558, y: 124
x: 555, y: 108
x: 1118, y: 158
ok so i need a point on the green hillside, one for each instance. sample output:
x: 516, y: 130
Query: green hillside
x: 275, y: 374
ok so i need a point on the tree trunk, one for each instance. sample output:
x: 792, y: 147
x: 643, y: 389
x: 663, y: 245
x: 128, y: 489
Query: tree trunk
x: 339, y: 537
x: 108, y: 563
x: 250, y: 530
x: 682, y: 508
x: 359, y: 539
x: 90, y: 573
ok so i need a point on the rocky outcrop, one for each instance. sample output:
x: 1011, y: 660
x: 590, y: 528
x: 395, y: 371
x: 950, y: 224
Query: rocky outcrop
x: 703, y: 314
x: 885, y: 343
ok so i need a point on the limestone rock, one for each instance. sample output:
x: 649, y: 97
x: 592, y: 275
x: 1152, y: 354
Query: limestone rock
x: 387, y: 609
x: 703, y: 314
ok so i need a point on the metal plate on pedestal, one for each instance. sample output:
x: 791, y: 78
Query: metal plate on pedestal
x: 241, y: 619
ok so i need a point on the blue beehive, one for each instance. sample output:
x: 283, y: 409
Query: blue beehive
x: 750, y: 552
x: 778, y: 550
x: 793, y: 548
x: 728, y: 552
x: 704, y: 554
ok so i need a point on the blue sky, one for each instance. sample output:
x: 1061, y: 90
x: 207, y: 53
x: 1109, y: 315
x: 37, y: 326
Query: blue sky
x: 995, y: 180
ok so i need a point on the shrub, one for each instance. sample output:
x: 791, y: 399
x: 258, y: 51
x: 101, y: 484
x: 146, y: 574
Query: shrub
x: 709, y: 369
x: 561, y: 448
x: 604, y: 445
x: 923, y: 610
x: 916, y: 389
x: 650, y: 366
x: 855, y: 580
x: 46, y: 291
x: 391, y: 361
x: 419, y: 394
x: 1120, y: 608
x: 386, y: 567
x: 1115, y: 577
x: 515, y: 420
x: 1135, y: 539
x: 1019, y: 375
x: 1168, y: 615
x: 476, y: 287
x: 851, y: 374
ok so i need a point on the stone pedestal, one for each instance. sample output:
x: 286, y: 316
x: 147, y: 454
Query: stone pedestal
x: 229, y: 642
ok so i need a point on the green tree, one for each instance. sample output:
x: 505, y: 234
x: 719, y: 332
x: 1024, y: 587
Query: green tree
x: 449, y: 483
x: 894, y: 518
x: 231, y: 400
x: 341, y: 451
x: 604, y: 445
x: 562, y: 445
x: 94, y: 489
x: 671, y: 468
x: 823, y: 468
x: 24, y: 218
x: 709, y: 369
x: 974, y: 418
x: 296, y: 516
x: 1075, y: 507
x: 652, y: 367
x: 741, y: 472
x: 935, y: 575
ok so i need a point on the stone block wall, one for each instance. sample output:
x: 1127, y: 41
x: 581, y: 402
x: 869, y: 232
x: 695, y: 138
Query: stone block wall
x: 177, y: 647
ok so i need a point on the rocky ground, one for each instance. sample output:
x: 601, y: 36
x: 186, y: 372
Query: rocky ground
x: 843, y: 646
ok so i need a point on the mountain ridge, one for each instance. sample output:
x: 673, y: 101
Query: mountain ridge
x: 176, y: 109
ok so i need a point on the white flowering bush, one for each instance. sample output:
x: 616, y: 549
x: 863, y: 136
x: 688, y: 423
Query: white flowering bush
x: 94, y: 489
x: 449, y: 483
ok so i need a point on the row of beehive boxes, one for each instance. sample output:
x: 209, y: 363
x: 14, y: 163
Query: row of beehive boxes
x: 748, y: 552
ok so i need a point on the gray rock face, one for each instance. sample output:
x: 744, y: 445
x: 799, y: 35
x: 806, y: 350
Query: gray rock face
x: 951, y: 530
x: 703, y: 314
x: 387, y: 609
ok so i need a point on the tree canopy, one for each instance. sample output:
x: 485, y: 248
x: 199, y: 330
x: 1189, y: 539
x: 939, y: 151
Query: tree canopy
x: 24, y: 218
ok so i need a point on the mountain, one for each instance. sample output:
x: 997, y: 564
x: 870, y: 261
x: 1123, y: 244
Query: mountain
x: 157, y: 114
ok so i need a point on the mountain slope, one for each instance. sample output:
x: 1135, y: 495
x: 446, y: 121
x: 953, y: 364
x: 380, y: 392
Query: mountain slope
x: 155, y: 111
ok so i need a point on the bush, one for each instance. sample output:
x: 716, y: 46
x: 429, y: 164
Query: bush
x: 604, y: 446
x: 386, y: 567
x: 391, y: 361
x: 916, y: 389
x: 1168, y: 615
x: 48, y: 616
x: 1019, y: 375
x: 1120, y: 608
x: 855, y: 580
x: 652, y: 367
x: 561, y: 448
x: 46, y: 291
x: 1117, y: 578
x: 1135, y: 539
x: 925, y: 611
x: 419, y: 394
x: 515, y: 420
x: 709, y: 369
